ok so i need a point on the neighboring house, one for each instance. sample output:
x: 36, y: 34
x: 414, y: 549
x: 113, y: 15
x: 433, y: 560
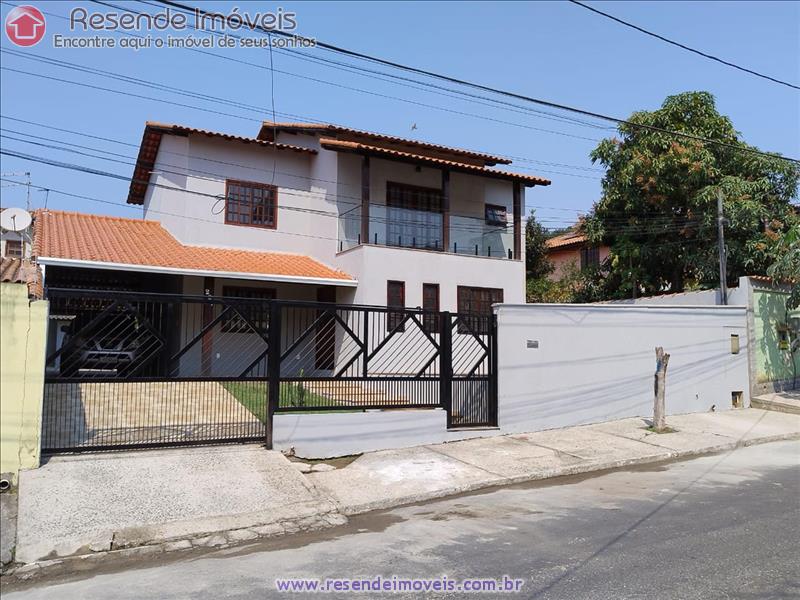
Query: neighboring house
x: 14, y: 244
x: 304, y: 211
x: 572, y: 250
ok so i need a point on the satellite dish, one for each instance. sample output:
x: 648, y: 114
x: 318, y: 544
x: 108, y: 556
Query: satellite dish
x: 15, y: 219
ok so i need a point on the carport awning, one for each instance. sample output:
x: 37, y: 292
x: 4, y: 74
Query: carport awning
x: 92, y: 241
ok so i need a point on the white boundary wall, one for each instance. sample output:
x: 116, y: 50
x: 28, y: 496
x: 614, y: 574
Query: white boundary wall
x: 596, y: 362
x: 593, y: 363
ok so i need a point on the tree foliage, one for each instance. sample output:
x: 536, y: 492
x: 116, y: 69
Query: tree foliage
x: 537, y: 265
x: 658, y: 208
x: 785, y: 265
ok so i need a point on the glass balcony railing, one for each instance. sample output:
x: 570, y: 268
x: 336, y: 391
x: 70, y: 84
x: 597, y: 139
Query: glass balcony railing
x: 404, y: 228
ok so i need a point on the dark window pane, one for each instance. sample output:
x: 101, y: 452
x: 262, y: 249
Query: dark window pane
x: 395, y: 298
x: 475, y: 308
x: 250, y: 204
x: 430, y: 302
x: 250, y: 316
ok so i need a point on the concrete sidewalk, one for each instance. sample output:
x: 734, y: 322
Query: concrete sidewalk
x: 154, y: 501
x: 393, y: 477
x: 163, y: 500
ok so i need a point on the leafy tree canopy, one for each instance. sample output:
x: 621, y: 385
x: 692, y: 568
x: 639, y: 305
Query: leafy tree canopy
x: 537, y: 264
x: 658, y: 208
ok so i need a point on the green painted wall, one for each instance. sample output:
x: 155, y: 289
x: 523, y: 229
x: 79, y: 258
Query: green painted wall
x: 23, y: 333
x: 771, y: 362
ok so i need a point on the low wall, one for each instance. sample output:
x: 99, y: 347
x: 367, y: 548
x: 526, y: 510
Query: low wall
x: 23, y: 329
x: 562, y: 365
x: 324, y: 435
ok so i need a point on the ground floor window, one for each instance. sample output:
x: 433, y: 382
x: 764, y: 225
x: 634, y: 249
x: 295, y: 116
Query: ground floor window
x: 255, y: 312
x: 430, y: 301
x: 476, y: 304
x: 395, y: 298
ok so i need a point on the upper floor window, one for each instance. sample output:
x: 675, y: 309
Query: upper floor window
x: 414, y: 216
x: 250, y: 203
x: 590, y: 257
x: 496, y: 215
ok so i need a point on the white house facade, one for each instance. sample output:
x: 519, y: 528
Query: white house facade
x: 408, y: 221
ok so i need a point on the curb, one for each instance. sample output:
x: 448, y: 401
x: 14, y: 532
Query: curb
x: 123, y: 547
x: 576, y: 469
x: 131, y: 547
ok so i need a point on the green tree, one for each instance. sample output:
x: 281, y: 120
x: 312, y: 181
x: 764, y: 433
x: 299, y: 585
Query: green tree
x: 658, y: 208
x: 537, y: 265
x: 786, y: 262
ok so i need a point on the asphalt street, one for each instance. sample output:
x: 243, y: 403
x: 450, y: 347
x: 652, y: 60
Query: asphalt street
x: 720, y: 526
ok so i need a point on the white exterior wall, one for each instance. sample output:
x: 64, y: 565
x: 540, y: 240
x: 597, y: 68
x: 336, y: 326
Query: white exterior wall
x: 375, y: 265
x: 329, y: 182
x: 596, y: 362
x: 199, y: 218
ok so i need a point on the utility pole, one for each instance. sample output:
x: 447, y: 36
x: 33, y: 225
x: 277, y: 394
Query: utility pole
x: 28, y: 198
x: 723, y: 267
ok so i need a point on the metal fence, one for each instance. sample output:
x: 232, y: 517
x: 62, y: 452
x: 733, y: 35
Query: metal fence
x: 137, y: 370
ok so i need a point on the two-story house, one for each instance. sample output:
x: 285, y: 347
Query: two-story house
x: 301, y: 212
x: 304, y: 211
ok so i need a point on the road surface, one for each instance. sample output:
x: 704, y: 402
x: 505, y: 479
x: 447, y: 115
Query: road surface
x: 721, y: 526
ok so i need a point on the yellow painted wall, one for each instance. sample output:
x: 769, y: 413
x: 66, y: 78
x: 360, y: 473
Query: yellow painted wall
x: 23, y: 335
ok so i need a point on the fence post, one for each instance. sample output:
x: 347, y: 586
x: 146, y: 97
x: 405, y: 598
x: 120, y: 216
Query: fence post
x: 365, y: 369
x: 446, y: 364
x: 273, y: 367
x: 493, y: 375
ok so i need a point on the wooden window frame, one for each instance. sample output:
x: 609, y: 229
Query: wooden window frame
x: 256, y: 185
x: 495, y: 207
x: 590, y: 257
x: 426, y: 200
x: 430, y: 320
x: 233, y: 324
x: 477, y: 319
x: 395, y: 318
x: 17, y: 244
x: 416, y: 188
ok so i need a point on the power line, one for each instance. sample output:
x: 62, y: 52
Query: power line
x: 227, y: 102
x: 216, y: 175
x: 683, y: 46
x: 477, y: 229
x: 485, y: 88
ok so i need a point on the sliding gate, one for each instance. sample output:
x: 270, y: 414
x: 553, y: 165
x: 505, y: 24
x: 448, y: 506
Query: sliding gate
x: 136, y: 370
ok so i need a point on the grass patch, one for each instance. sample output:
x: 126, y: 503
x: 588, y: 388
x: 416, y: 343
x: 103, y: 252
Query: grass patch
x: 253, y: 396
x: 665, y: 430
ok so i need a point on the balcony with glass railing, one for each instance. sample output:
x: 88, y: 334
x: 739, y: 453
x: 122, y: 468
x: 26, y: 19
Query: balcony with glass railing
x: 423, y: 230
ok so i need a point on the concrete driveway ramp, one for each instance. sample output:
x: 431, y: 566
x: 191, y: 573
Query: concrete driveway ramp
x: 80, y: 504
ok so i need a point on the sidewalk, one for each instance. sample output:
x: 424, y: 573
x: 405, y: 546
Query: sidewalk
x: 155, y: 501
x: 393, y: 477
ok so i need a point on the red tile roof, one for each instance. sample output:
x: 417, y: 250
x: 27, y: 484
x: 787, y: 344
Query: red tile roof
x: 360, y: 148
x: 134, y: 242
x: 151, y: 141
x: 19, y: 270
x: 268, y: 128
x: 573, y: 238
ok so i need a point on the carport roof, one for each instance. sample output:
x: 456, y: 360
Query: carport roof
x: 94, y: 241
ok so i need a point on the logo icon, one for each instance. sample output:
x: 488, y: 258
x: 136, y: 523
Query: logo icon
x: 25, y: 25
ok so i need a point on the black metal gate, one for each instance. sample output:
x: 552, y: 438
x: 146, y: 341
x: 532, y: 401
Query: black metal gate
x: 136, y: 370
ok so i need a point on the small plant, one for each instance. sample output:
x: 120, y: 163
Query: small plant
x: 298, y: 393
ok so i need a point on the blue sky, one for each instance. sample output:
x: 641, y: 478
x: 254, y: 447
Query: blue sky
x: 552, y: 50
